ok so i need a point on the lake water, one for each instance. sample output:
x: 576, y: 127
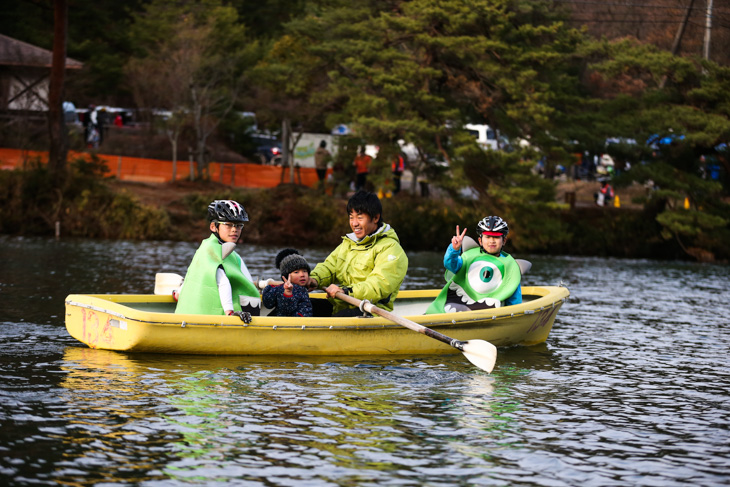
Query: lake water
x: 632, y: 388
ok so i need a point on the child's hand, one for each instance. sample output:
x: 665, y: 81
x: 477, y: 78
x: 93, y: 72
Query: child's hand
x: 244, y: 315
x: 288, y: 286
x: 456, y: 239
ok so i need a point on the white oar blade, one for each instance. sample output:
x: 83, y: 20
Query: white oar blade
x: 166, y: 283
x: 481, y: 353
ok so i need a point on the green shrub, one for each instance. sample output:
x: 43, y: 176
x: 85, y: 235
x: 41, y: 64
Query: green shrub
x: 32, y: 202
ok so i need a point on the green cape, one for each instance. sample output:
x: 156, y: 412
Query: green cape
x: 199, y: 294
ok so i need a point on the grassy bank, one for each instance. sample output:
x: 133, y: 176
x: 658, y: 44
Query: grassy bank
x: 91, y: 206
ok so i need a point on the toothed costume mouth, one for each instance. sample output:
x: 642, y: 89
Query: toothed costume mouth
x: 250, y: 304
x: 482, y: 282
x: 458, y: 300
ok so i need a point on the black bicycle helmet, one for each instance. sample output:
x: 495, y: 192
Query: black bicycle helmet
x: 493, y: 225
x: 227, y: 211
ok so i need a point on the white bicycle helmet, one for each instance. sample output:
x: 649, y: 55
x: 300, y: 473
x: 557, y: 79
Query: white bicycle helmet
x: 227, y: 211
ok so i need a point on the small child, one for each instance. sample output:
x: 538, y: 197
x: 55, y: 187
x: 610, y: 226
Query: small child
x: 290, y: 298
x: 218, y: 284
x: 480, y: 277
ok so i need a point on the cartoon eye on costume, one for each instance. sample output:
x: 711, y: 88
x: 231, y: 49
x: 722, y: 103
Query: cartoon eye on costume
x: 484, y: 277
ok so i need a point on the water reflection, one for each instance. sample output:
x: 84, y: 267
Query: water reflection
x: 630, y: 389
x: 223, y: 418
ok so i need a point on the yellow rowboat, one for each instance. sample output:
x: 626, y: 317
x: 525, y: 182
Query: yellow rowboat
x: 147, y: 323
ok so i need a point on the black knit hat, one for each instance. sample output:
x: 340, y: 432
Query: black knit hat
x: 290, y: 260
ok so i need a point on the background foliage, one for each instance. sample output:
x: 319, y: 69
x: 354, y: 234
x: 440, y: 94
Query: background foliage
x: 416, y: 71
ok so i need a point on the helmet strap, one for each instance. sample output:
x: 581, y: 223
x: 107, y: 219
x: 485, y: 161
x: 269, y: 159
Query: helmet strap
x: 215, y: 232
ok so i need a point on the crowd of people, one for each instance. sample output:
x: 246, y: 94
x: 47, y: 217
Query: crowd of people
x: 96, y: 122
x: 361, y: 167
x: 369, y: 265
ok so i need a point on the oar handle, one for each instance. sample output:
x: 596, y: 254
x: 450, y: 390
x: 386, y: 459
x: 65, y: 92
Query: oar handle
x: 262, y: 283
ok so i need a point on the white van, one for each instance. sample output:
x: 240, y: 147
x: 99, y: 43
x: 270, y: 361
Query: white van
x: 485, y: 135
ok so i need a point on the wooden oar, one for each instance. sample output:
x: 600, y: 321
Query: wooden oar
x: 479, y: 352
x: 167, y: 282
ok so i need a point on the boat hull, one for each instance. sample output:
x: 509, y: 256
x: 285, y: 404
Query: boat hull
x: 146, y: 323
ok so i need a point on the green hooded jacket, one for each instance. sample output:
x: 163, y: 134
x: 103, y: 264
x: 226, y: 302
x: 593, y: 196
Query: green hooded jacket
x: 373, y: 268
x: 199, y: 294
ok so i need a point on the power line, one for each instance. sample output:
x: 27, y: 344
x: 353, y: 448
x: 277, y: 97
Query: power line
x: 640, y: 5
x: 676, y: 20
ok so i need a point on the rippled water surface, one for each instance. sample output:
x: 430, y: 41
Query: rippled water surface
x: 631, y: 388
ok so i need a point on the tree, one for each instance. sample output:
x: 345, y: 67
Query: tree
x: 286, y: 81
x: 418, y: 70
x: 686, y: 122
x: 202, y: 53
x: 161, y: 80
x: 56, y: 123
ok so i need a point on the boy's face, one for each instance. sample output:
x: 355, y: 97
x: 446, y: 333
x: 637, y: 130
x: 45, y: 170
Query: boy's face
x: 300, y: 276
x: 362, y: 225
x: 229, y: 232
x: 491, y: 245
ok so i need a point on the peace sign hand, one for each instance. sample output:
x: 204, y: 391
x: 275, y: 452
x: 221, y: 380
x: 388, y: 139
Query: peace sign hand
x: 288, y: 286
x: 457, y: 239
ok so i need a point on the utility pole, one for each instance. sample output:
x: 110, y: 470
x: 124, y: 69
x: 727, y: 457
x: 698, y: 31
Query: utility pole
x: 56, y: 124
x: 678, y: 37
x: 285, y: 156
x: 681, y: 28
x: 708, y: 29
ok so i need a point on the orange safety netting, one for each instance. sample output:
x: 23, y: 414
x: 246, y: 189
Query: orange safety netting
x: 160, y: 171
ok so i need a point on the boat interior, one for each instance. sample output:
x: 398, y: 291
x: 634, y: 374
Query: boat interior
x: 408, y: 303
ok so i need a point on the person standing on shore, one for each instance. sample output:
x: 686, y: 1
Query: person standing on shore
x: 322, y: 157
x: 362, y: 168
x: 398, y: 167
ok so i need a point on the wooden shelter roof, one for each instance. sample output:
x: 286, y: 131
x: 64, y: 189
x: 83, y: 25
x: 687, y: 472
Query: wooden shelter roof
x: 18, y: 53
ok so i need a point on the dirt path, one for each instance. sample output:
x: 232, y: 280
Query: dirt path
x: 584, y: 191
x: 170, y: 197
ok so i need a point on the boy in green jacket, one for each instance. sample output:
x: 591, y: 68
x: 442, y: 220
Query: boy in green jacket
x: 368, y: 264
x: 218, y: 281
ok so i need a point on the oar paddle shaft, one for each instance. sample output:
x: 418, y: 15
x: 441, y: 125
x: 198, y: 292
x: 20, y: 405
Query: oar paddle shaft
x: 479, y: 352
x: 372, y: 309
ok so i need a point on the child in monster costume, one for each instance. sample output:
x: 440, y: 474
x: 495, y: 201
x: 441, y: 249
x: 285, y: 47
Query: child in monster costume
x: 482, y: 276
x: 218, y: 281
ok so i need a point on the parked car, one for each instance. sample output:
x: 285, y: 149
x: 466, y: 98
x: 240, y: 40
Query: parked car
x: 485, y: 135
x: 268, y: 149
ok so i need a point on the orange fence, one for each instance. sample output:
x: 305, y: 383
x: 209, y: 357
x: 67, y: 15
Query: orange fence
x: 160, y: 171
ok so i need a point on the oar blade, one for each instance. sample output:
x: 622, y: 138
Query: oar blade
x: 481, y: 353
x: 167, y: 282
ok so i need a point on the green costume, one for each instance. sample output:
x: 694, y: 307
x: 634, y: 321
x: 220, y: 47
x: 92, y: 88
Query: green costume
x: 199, y: 294
x: 483, y: 281
x: 373, y: 268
